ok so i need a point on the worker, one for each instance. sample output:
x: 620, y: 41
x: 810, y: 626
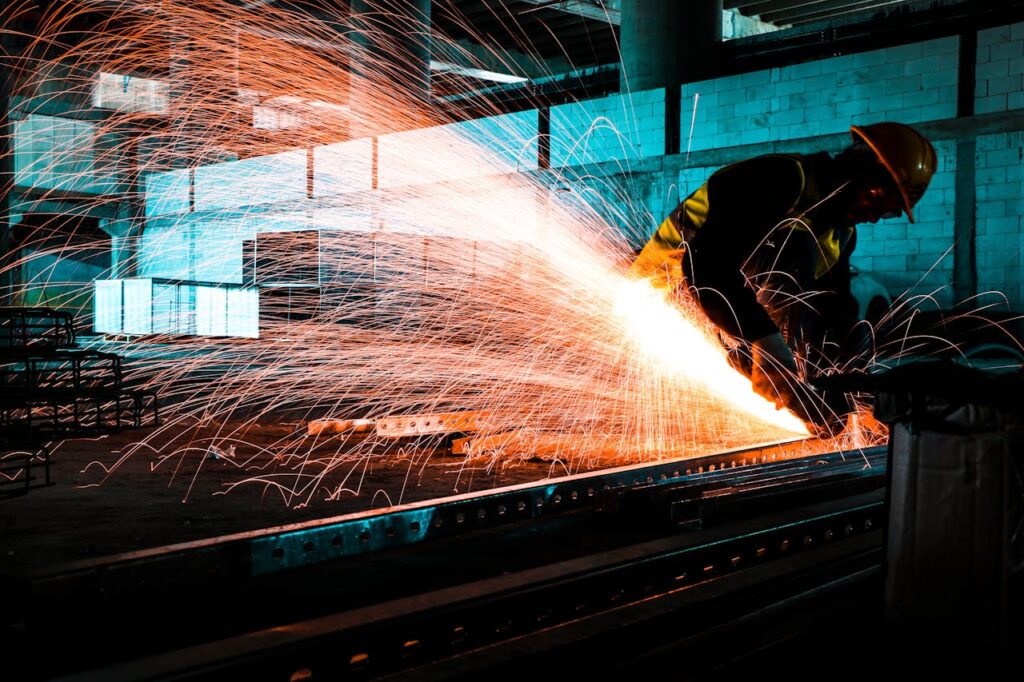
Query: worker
x: 763, y: 247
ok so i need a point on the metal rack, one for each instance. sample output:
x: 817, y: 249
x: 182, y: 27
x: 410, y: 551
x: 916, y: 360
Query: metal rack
x: 50, y: 389
x: 36, y: 328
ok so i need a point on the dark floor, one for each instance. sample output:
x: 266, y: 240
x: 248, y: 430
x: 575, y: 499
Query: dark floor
x: 147, y: 502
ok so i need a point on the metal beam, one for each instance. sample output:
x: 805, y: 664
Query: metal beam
x: 587, y: 10
x: 829, y: 10
x: 7, y: 257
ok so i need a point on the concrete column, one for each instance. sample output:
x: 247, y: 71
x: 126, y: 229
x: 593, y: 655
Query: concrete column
x: 126, y: 250
x: 207, y: 119
x: 7, y: 254
x: 391, y: 41
x: 668, y: 42
x: 394, y: 39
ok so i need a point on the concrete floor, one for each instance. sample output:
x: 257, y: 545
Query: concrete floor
x: 147, y: 503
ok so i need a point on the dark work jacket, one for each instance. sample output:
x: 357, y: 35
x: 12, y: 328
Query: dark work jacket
x: 719, y: 235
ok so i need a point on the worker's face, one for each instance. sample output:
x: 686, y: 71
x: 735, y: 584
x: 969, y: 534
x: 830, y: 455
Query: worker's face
x: 870, y: 203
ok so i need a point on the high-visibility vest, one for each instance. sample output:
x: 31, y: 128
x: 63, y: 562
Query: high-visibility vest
x: 661, y: 258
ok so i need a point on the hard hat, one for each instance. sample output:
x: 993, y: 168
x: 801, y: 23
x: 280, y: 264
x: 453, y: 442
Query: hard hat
x: 906, y: 154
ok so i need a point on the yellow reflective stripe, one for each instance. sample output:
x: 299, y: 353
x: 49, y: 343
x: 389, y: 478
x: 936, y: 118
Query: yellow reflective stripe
x: 696, y: 208
x: 828, y: 252
x: 661, y: 259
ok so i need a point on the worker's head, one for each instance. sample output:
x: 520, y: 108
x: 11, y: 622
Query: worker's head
x: 890, y: 167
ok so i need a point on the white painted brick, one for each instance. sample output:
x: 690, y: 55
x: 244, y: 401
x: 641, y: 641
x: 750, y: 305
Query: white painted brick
x: 790, y: 117
x: 804, y: 70
x: 1006, y: 190
x: 1006, y: 50
x: 885, y: 103
x: 988, y: 176
x: 903, y: 52
x: 872, y: 58
x: 756, y: 78
x: 727, y: 140
x: 992, y: 69
x: 900, y: 247
x: 732, y: 96
x: 1008, y: 84
x: 902, y: 84
x: 752, y: 108
x: 889, y: 263
x: 919, y: 230
x: 923, y: 65
x: 991, y: 104
x: 990, y: 209
x: 824, y: 112
x: 950, y: 61
x: 808, y: 129
x: 939, y: 78
x: 922, y: 263
x: 754, y: 136
x: 868, y: 247
x: 998, y: 258
x: 921, y: 98
x: 941, y: 46
x: 873, y: 117
x: 1014, y: 173
x: 1002, y: 225
x: 730, y: 83
x: 854, y: 108
x: 998, y: 34
x: 790, y: 87
x: 884, y: 71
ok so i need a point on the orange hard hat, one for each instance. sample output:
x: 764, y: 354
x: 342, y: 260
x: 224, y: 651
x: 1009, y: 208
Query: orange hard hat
x: 907, y: 155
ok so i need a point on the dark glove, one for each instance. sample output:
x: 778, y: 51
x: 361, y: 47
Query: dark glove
x: 773, y: 372
x: 774, y: 376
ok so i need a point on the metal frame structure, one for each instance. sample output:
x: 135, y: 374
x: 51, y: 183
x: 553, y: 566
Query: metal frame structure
x: 422, y: 586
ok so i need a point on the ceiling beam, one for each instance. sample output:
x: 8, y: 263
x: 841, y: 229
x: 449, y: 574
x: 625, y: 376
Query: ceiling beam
x: 593, y: 10
x: 822, y: 10
x: 817, y: 18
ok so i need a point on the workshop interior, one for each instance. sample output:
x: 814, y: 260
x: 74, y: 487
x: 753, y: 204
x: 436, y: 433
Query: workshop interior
x: 471, y: 340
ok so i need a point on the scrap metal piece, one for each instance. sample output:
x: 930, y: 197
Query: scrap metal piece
x: 317, y: 427
x: 431, y: 424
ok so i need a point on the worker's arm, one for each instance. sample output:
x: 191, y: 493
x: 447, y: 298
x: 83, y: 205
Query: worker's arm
x: 746, y: 202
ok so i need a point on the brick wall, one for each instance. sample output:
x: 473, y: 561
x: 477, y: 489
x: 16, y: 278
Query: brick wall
x: 487, y: 146
x: 168, y: 192
x: 614, y: 128
x: 999, y: 172
x: 62, y: 154
x: 917, y: 259
x: 909, y: 83
x: 997, y: 84
x: 259, y: 180
x: 769, y: 110
x: 343, y: 167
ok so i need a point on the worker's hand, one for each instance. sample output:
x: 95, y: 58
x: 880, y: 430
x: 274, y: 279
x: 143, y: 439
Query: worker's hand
x: 774, y: 371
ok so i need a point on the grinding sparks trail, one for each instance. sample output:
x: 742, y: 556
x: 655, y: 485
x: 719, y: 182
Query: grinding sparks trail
x: 676, y: 346
x: 406, y: 265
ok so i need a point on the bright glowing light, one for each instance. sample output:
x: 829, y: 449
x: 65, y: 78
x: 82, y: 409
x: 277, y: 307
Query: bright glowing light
x: 678, y: 347
x: 411, y: 263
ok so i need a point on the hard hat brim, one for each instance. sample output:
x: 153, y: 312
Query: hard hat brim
x: 858, y: 135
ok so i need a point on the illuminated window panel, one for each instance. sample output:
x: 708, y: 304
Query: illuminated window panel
x: 107, y: 305
x: 129, y: 93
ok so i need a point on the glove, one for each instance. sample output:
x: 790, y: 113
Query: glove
x: 774, y: 376
x: 773, y: 373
